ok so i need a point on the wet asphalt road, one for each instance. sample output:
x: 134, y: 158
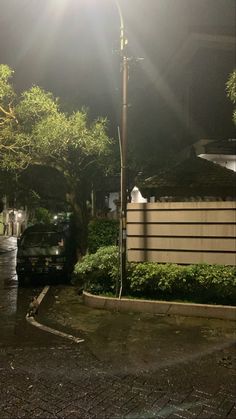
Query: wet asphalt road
x: 128, y: 366
x: 14, y: 302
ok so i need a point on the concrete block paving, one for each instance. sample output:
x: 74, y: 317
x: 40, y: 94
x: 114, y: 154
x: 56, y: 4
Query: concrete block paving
x: 42, y: 386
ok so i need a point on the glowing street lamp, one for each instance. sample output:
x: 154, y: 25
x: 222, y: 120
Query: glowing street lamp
x: 123, y: 148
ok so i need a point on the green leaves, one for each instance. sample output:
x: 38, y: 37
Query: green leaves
x: 34, y: 105
x: 42, y: 215
x: 34, y: 131
x: 90, y: 139
x: 102, y: 232
x: 50, y: 135
x: 231, y: 91
x: 231, y: 86
x: 15, y: 149
x: 200, y: 283
x: 99, y: 271
x: 6, y: 91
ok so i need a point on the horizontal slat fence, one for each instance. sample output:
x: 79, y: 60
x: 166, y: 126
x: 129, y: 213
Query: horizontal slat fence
x: 182, y: 232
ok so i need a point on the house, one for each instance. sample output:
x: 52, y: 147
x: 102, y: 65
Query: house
x: 193, y: 178
x: 189, y: 217
x: 222, y: 152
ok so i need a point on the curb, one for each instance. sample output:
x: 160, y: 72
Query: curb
x: 33, y: 322
x: 160, y: 307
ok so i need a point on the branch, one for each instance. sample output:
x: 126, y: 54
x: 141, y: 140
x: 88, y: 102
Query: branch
x: 14, y: 147
x: 9, y: 114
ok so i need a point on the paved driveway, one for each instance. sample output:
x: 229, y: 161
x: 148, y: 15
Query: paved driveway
x: 136, y: 341
x: 129, y: 365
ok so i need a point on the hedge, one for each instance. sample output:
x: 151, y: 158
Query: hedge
x: 98, y: 272
x: 102, y: 232
x: 201, y: 283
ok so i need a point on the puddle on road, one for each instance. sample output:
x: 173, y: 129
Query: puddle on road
x: 14, y: 301
x: 8, y: 284
x: 139, y: 340
x: 132, y: 340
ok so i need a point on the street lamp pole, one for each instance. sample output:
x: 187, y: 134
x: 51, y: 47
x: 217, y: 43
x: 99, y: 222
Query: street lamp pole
x: 123, y: 150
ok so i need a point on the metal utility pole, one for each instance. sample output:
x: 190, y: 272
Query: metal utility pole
x: 123, y: 150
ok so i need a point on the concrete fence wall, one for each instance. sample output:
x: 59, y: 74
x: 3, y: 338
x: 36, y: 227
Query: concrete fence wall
x: 182, y: 232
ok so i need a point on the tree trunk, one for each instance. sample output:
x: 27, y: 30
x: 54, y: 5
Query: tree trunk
x: 79, y: 222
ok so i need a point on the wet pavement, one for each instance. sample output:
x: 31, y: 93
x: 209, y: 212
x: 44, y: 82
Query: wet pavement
x: 137, y: 341
x: 14, y: 301
x: 129, y: 365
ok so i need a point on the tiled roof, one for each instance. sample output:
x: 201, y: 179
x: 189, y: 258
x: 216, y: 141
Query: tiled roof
x: 221, y: 147
x: 192, y: 177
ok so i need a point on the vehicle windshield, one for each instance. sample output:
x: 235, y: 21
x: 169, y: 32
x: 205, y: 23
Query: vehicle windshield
x: 42, y: 239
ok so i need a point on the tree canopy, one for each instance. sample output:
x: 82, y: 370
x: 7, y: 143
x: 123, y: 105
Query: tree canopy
x: 231, y: 91
x: 35, y: 131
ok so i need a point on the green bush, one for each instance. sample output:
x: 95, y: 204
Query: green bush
x: 201, y: 283
x: 209, y: 283
x: 151, y: 278
x: 98, y: 272
x: 102, y: 232
x: 42, y: 215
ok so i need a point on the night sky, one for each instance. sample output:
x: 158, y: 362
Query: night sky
x: 69, y: 47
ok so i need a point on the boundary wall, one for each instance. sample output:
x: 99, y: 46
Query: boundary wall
x: 182, y: 232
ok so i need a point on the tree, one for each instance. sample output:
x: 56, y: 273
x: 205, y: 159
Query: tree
x: 42, y: 215
x: 34, y: 131
x: 231, y: 91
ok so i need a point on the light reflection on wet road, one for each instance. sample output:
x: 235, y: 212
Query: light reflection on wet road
x: 14, y: 301
x: 130, y: 365
x: 8, y: 286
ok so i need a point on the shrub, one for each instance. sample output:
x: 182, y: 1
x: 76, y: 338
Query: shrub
x: 159, y: 281
x: 201, y: 283
x: 153, y: 279
x: 42, y: 215
x: 212, y: 283
x: 102, y: 232
x: 98, y: 272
